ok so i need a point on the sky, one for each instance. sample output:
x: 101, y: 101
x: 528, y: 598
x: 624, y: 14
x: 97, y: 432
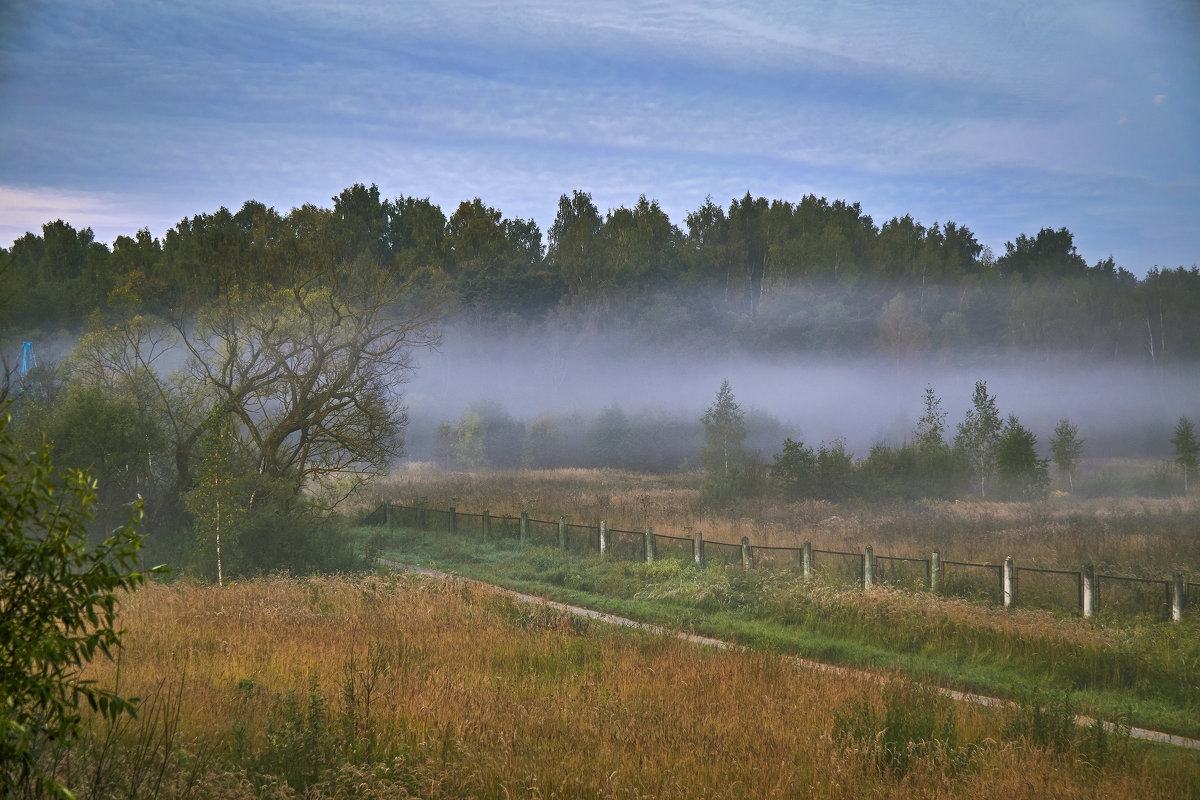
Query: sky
x: 1006, y: 116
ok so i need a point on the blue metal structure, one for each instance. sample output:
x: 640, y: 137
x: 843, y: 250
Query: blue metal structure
x: 28, y: 359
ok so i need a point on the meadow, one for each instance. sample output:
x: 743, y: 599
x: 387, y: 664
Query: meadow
x: 1124, y: 662
x: 396, y: 685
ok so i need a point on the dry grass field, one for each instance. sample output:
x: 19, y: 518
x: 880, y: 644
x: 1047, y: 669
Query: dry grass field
x: 396, y: 686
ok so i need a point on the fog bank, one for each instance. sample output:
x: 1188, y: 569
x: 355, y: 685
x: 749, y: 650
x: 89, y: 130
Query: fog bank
x: 1120, y: 410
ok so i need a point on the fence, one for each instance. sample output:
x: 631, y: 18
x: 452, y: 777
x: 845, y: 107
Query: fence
x: 1084, y: 590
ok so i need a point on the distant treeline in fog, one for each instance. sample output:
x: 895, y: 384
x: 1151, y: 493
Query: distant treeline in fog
x: 765, y: 275
x: 487, y: 435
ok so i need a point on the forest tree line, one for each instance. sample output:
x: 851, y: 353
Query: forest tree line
x: 812, y: 275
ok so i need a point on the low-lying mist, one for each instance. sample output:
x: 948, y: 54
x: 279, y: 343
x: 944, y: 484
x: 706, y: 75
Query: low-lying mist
x: 1121, y: 410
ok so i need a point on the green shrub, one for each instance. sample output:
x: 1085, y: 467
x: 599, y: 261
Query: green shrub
x: 58, y: 600
x: 915, y: 722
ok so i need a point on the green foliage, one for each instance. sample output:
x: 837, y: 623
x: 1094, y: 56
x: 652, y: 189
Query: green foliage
x: 468, y: 441
x: 794, y: 470
x: 724, y: 433
x: 246, y: 523
x: 609, y: 438
x: 544, y: 444
x: 916, y: 722
x: 890, y: 472
x: 926, y: 467
x: 1051, y: 254
x: 575, y: 245
x: 1066, y: 448
x: 1045, y: 721
x: 835, y: 471
x: 929, y: 436
x: 219, y: 503
x: 301, y: 744
x: 283, y: 532
x: 1187, y: 450
x: 978, y: 433
x: 1050, y: 721
x: 58, y: 600
x: 1022, y: 474
x: 724, y: 456
x: 308, y: 738
x: 503, y: 436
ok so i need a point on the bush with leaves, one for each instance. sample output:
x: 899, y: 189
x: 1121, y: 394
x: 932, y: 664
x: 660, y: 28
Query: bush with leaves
x: 1023, y: 474
x: 58, y: 603
x: 1187, y: 450
x: 794, y: 470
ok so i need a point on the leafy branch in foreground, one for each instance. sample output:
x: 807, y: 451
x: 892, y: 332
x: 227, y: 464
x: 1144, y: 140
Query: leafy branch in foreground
x: 58, y: 600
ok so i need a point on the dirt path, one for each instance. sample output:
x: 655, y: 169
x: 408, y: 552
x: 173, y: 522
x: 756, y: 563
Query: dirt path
x: 965, y: 697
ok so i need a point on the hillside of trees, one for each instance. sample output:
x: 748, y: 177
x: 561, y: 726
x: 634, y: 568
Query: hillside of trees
x: 765, y: 275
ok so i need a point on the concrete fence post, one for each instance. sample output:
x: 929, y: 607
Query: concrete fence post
x: 1010, y: 582
x: 747, y: 553
x: 1177, y: 598
x: 562, y: 533
x: 453, y: 520
x: 603, y: 538
x: 698, y: 549
x: 869, y: 568
x: 648, y: 538
x: 524, y: 534
x: 1087, y: 600
x: 806, y: 564
x: 485, y: 524
x: 935, y: 571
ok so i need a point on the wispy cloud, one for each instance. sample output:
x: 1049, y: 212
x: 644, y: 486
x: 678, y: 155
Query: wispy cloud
x: 108, y: 214
x: 904, y: 107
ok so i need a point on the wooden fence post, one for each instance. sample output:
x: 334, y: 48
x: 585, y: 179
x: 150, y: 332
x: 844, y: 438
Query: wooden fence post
x: 806, y: 564
x: 524, y: 526
x: 1177, y: 598
x: 747, y: 553
x: 453, y: 520
x: 1010, y: 583
x: 1087, y: 600
x: 485, y: 524
x: 648, y: 538
x: 603, y: 538
x: 698, y: 549
x: 562, y: 533
x: 869, y: 568
x: 935, y: 571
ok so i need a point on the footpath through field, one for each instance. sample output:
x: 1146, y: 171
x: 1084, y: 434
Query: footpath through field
x: 965, y: 697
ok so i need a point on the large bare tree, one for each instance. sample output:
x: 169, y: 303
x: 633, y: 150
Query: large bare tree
x: 312, y: 374
x: 310, y: 371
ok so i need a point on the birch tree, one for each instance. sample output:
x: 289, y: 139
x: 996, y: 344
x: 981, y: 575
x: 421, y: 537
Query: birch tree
x: 723, y: 455
x: 978, y: 434
x: 1066, y: 447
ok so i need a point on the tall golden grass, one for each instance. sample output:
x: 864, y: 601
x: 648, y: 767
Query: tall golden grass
x: 473, y: 694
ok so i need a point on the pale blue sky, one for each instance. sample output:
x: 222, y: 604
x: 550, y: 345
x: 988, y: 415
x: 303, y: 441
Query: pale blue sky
x: 1004, y: 116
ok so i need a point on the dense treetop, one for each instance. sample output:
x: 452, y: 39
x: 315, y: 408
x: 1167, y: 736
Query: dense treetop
x: 814, y: 275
